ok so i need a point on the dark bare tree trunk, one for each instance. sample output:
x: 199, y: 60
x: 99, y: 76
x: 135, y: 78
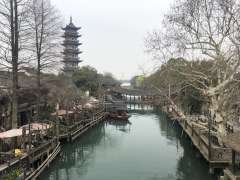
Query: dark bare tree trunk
x: 38, y: 89
x: 15, y: 46
x: 39, y: 51
x: 38, y: 47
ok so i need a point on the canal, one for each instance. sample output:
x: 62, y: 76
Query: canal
x: 149, y: 148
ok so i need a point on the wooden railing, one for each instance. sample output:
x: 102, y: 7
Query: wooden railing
x: 200, y: 138
x: 80, y: 124
x: 21, y: 161
x: 5, y: 157
x: 42, y: 149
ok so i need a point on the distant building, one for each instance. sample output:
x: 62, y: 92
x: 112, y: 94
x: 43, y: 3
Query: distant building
x: 126, y: 84
x: 71, y: 50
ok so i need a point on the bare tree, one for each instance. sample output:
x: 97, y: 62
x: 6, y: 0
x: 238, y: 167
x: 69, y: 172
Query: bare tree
x: 12, y: 38
x: 45, y: 25
x: 203, y: 29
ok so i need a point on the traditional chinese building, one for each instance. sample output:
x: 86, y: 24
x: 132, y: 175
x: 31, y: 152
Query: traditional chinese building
x: 71, y: 50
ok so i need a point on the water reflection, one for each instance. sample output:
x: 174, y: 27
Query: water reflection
x: 74, y: 155
x: 124, y: 126
x: 148, y: 147
x: 141, y: 108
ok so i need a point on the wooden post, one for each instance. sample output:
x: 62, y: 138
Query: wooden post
x: 169, y: 91
x: 4, y: 117
x: 57, y: 128
x: 67, y: 114
x: 199, y: 139
x: 57, y: 122
x: 24, y: 137
x: 29, y: 131
x: 233, y: 161
x: 192, y: 129
x: 75, y: 117
x: 209, y: 137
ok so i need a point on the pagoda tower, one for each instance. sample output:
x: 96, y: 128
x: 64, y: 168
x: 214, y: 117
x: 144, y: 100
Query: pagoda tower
x: 71, y: 50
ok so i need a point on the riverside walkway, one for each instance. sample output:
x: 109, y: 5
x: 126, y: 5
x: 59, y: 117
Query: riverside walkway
x: 204, y: 139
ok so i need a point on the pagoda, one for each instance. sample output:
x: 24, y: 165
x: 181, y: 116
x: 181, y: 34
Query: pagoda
x: 71, y: 50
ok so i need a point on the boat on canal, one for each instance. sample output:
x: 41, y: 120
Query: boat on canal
x: 115, y: 108
x: 118, y: 115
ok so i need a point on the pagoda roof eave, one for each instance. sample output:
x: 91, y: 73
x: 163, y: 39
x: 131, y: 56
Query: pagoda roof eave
x: 70, y: 35
x: 71, y: 28
x: 78, y: 61
x: 78, y: 44
x: 71, y: 52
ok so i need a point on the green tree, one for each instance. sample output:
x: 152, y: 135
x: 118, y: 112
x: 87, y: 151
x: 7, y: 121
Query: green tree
x: 86, y: 79
x: 107, y: 80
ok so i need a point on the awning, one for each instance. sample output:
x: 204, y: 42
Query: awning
x: 11, y: 133
x: 19, y: 132
x: 37, y: 126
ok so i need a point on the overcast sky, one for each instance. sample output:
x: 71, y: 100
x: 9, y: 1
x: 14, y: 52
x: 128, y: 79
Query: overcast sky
x: 113, y: 32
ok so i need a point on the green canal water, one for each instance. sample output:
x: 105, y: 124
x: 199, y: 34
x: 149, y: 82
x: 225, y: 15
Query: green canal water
x: 150, y: 148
